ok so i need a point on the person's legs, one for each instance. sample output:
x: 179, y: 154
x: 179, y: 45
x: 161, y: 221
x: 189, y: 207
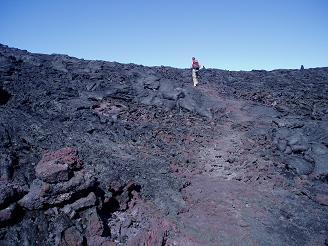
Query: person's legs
x: 194, y: 77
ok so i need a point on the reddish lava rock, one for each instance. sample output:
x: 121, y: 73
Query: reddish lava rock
x: 71, y: 237
x: 57, y: 166
x: 67, y: 156
x: 94, y: 224
x: 100, y: 241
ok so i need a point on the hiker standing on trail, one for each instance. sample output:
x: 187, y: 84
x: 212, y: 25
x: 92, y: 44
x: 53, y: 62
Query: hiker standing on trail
x: 195, y: 67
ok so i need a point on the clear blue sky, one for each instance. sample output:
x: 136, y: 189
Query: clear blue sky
x: 227, y: 34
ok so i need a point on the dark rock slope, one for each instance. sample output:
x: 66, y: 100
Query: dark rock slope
x: 102, y: 153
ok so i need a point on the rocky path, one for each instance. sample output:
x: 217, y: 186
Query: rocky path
x: 235, y: 197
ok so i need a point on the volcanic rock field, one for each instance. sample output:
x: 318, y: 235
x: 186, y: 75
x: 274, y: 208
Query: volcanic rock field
x: 103, y: 153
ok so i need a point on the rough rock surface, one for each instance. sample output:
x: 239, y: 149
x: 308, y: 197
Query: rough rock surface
x: 57, y: 166
x: 102, y: 153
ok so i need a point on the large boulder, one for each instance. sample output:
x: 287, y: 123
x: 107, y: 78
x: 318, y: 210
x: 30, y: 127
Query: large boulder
x: 169, y: 91
x: 321, y: 165
x: 42, y: 193
x: 58, y: 166
x: 151, y: 82
x: 299, y: 165
x: 53, y: 172
x: 94, y: 224
x: 297, y: 139
x: 80, y: 204
x: 36, y: 197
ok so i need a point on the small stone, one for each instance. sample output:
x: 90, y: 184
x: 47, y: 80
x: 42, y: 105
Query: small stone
x: 7, y: 213
x: 231, y: 160
x: 6, y: 169
x: 83, y: 203
x: 299, y: 148
x: 71, y: 237
x: 100, y: 241
x: 322, y: 199
x: 282, y: 145
x: 10, y: 193
x: 52, y: 211
x: 288, y: 150
x: 243, y: 224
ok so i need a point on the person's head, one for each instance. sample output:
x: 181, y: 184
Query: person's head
x: 193, y: 58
